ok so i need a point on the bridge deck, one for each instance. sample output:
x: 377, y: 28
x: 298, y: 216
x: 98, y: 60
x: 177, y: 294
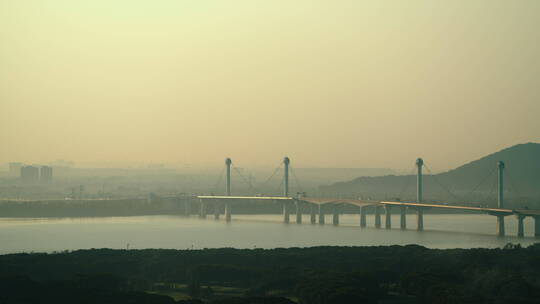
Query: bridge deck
x: 455, y: 207
x: 356, y: 202
x: 362, y: 203
x: 527, y: 212
x: 245, y: 197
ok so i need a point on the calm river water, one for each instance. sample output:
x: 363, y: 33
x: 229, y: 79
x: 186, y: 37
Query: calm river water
x: 248, y: 231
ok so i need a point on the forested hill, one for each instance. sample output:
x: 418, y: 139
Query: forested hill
x: 474, y: 181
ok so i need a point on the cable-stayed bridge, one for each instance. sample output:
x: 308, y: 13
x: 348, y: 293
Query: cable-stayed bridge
x: 292, y: 204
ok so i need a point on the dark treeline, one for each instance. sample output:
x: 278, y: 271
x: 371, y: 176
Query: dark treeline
x: 392, y: 274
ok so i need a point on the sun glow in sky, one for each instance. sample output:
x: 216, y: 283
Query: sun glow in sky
x: 330, y: 83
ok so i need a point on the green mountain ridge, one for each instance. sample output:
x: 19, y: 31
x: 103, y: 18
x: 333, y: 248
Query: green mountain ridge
x: 475, y: 181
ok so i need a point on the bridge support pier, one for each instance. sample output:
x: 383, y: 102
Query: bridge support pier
x: 363, y: 217
x: 403, y: 218
x: 202, y: 210
x: 335, y: 215
x: 228, y: 212
x: 377, y: 217
x: 286, y: 214
x: 217, y: 210
x: 298, y: 212
x: 187, y: 208
x: 537, y: 226
x: 500, y: 225
x: 321, y: 215
x: 419, y: 219
x: 521, y: 229
x: 313, y: 214
x: 388, y: 217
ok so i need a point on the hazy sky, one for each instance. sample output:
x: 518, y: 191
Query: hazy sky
x: 345, y: 83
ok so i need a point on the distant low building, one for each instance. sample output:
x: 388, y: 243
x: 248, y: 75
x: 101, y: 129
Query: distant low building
x: 15, y: 169
x: 46, y: 174
x: 29, y: 174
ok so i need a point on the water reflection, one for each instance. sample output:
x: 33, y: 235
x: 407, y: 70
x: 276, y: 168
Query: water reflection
x: 247, y: 231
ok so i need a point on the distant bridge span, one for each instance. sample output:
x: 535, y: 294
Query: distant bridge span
x: 316, y: 204
x: 365, y: 203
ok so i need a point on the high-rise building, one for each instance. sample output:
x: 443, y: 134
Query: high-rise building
x: 15, y: 169
x: 29, y: 173
x: 46, y: 174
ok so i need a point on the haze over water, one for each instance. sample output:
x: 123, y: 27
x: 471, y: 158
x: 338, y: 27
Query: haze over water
x: 246, y: 231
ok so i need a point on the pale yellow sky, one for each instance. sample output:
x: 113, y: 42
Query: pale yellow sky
x: 330, y: 83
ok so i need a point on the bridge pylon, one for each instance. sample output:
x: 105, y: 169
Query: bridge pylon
x: 286, y: 212
x: 500, y: 199
x: 228, y: 211
x: 419, y: 194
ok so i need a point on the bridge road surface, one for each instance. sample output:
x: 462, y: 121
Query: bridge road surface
x: 362, y: 203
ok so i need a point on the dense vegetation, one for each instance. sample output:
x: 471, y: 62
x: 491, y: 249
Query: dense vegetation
x: 391, y: 274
